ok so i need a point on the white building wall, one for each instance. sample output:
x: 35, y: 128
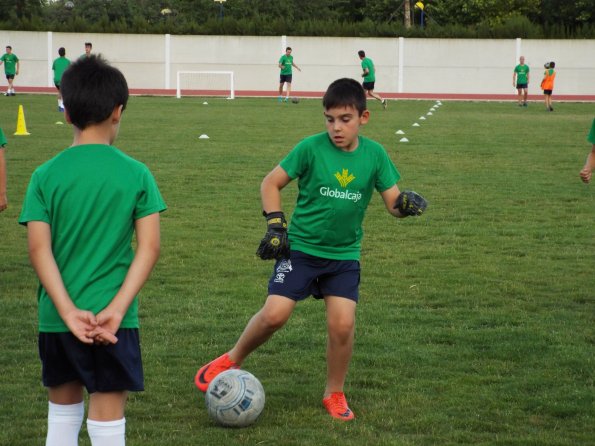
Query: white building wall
x: 458, y: 66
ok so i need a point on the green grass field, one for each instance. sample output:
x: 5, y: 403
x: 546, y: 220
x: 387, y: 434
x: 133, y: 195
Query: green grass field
x: 476, y: 321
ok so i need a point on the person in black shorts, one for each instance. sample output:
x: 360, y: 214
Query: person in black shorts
x: 80, y: 221
x: 286, y: 76
x: 369, y: 75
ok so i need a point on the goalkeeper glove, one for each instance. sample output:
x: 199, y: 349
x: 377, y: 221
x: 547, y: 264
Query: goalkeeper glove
x: 410, y: 203
x: 274, y: 244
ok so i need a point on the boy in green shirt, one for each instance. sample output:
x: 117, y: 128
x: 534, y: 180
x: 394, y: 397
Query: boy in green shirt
x: 59, y: 66
x: 319, y: 253
x: 520, y: 80
x: 81, y: 210
x: 11, y: 69
x: 286, y: 75
x: 369, y: 75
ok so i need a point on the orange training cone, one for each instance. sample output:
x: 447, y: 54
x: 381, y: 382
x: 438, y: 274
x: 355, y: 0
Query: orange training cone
x: 21, y: 126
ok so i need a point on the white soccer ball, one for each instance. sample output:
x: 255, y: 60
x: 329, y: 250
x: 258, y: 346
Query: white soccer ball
x: 235, y: 398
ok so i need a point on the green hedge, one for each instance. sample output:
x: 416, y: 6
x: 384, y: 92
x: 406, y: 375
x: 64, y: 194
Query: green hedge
x: 512, y: 27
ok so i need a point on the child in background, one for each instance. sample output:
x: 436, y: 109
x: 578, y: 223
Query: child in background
x: 547, y: 84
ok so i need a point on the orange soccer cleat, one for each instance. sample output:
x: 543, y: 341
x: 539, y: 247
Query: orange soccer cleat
x: 336, y: 406
x: 208, y: 372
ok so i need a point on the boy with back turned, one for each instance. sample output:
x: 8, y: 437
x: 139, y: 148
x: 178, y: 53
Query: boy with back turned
x: 318, y: 254
x: 81, y: 210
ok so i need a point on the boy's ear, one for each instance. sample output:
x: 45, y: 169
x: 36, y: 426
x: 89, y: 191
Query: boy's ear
x: 67, y: 116
x: 365, y: 117
x: 117, y: 114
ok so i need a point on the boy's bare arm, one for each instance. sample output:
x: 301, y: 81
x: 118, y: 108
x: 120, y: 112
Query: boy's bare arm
x: 587, y: 169
x: 270, y: 189
x: 3, y: 197
x: 79, y: 322
x: 148, y: 248
x: 389, y: 196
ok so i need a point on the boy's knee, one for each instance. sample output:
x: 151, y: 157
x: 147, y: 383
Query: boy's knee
x: 273, y: 320
x: 342, y: 328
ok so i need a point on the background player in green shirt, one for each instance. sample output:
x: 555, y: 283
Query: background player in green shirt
x: 369, y: 75
x: 285, y: 65
x: 587, y: 169
x: 82, y: 209
x: 11, y: 69
x: 59, y: 66
x: 88, y: 49
x: 319, y: 253
x: 520, y: 80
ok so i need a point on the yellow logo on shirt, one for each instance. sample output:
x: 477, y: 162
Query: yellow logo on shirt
x: 344, y: 178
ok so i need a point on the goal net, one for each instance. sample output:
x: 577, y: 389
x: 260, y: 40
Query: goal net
x: 205, y: 83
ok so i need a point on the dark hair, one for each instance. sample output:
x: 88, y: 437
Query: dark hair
x: 8, y: 46
x: 91, y: 89
x: 345, y: 92
x: 89, y: 44
x: 288, y: 48
x: 552, y: 64
x: 62, y: 51
x: 361, y: 53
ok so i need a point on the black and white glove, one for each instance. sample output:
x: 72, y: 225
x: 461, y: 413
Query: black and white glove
x: 275, y: 244
x: 410, y: 203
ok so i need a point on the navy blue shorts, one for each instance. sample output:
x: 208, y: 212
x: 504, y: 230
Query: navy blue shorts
x: 521, y: 86
x: 548, y: 92
x: 100, y: 368
x: 304, y: 275
x: 10, y: 76
x: 368, y: 86
x: 285, y: 78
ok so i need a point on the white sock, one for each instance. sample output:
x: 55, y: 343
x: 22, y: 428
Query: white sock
x: 64, y: 424
x: 107, y: 433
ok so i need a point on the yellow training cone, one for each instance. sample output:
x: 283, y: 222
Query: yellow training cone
x: 21, y: 126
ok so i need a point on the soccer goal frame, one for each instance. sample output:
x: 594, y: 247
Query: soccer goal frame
x: 228, y: 92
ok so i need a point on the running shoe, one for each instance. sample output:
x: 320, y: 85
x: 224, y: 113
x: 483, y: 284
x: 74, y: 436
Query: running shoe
x: 336, y: 406
x: 208, y: 372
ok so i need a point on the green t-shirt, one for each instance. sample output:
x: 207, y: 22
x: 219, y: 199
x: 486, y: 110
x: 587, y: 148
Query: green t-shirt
x: 522, y: 72
x: 10, y: 63
x: 287, y: 62
x: 90, y: 195
x: 335, y: 188
x: 591, y: 137
x: 59, y: 66
x: 367, y: 63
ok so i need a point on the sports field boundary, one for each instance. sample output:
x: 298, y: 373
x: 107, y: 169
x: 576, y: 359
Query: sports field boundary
x: 319, y: 94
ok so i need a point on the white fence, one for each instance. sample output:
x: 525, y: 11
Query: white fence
x: 416, y: 66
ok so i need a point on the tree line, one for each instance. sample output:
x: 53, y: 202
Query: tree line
x: 361, y: 18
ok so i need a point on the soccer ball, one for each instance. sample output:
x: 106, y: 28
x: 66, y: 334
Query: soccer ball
x: 295, y: 100
x: 235, y: 398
